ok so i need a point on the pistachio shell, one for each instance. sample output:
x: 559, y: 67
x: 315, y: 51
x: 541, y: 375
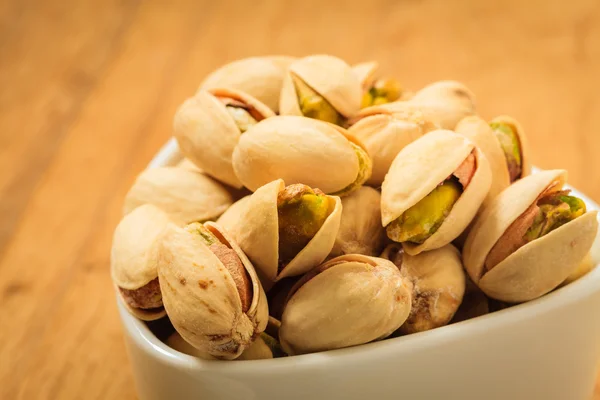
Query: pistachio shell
x: 349, y: 300
x: 260, y: 77
x: 423, y: 165
x: 360, y: 229
x: 585, y: 266
x: 540, y: 265
x: 207, y: 134
x: 133, y: 259
x: 365, y: 72
x: 176, y: 342
x: 186, y: 163
x: 297, y: 150
x: 385, y: 133
x: 201, y: 297
x: 446, y: 94
x: 330, y: 77
x: 258, y: 350
x: 231, y: 216
x: 518, y: 129
x: 185, y: 195
x: 257, y: 233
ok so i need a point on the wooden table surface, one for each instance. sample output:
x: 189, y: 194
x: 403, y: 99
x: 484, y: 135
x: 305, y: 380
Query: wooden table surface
x: 88, y: 90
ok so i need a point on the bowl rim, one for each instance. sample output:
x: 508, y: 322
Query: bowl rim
x: 576, y: 291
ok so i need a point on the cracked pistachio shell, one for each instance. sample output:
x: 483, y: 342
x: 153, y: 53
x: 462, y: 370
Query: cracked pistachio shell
x: 360, y: 227
x: 366, y: 72
x: 540, y: 265
x: 207, y: 133
x: 258, y: 350
x: 201, y: 297
x: 134, y: 257
x: 423, y: 165
x: 524, y: 143
x: 385, y: 133
x: 349, y: 300
x: 231, y: 216
x: 260, y: 77
x: 297, y: 150
x: 257, y: 233
x: 185, y: 195
x: 330, y: 77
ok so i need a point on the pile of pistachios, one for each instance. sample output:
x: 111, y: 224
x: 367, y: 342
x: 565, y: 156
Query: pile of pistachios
x: 319, y: 205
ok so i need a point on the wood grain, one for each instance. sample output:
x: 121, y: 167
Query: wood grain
x: 89, y: 89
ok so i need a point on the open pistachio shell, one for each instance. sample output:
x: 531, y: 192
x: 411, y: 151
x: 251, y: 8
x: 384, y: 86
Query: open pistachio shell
x: 134, y: 258
x: 450, y: 94
x: 330, y: 77
x: 419, y: 168
x: 185, y: 195
x: 257, y: 233
x: 201, y: 295
x: 365, y: 72
x: 258, y: 349
x: 585, y: 266
x: 523, y: 142
x: 260, y: 77
x: 360, y: 227
x: 538, y: 266
x: 349, y: 300
x: 231, y: 216
x: 385, y: 133
x: 207, y: 133
x: 300, y: 150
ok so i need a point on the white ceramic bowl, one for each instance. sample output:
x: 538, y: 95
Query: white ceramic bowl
x: 544, y: 349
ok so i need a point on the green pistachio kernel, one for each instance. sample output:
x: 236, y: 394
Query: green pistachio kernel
x: 313, y: 105
x: 555, y: 210
x: 509, y: 141
x: 383, y: 91
x: 207, y: 236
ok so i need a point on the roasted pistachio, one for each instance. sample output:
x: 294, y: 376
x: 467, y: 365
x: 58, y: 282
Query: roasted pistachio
x: 513, y: 143
x: 313, y: 105
x: 376, y: 90
x: 259, y: 349
x: 529, y: 239
x: 349, y: 300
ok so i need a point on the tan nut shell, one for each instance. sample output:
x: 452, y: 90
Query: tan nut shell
x: 257, y: 233
x: 231, y: 217
x: 201, y: 298
x: 258, y: 350
x: 365, y: 72
x: 297, y: 150
x: 329, y: 76
x: 207, y: 134
x: 352, y: 299
x: 186, y: 163
x: 419, y: 168
x: 385, y: 133
x: 450, y: 94
x: 260, y: 77
x: 185, y: 195
x: 134, y: 258
x: 518, y: 129
x: 438, y: 282
x: 537, y: 267
x: 360, y: 227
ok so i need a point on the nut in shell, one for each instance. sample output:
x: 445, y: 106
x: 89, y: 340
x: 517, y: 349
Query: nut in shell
x: 301, y: 150
x: 209, y: 125
x: 377, y: 90
x: 529, y: 239
x: 514, y: 145
x: 433, y: 190
x: 210, y: 290
x: 349, y: 300
x: 258, y: 350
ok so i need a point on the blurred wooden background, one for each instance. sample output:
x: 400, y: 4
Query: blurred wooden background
x: 88, y: 90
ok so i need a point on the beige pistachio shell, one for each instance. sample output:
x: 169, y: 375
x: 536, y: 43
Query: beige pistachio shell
x: 297, y: 150
x: 585, y: 266
x: 231, y: 217
x: 186, y: 163
x: 330, y: 77
x: 419, y: 168
x: 537, y: 267
x: 185, y: 195
x: 257, y: 350
x: 207, y: 134
x: 260, y: 77
x: 518, y: 129
x: 385, y: 133
x: 350, y: 300
x: 201, y: 298
x: 257, y: 233
x: 176, y: 342
x: 444, y: 116
x: 479, y: 132
x: 449, y: 94
x: 365, y: 72
x: 360, y: 229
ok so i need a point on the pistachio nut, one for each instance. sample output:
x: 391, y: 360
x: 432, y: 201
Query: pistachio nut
x: 585, y: 266
x: 360, y: 227
x: 231, y: 216
x: 258, y: 349
x: 260, y: 77
x: 376, y: 90
x: 185, y: 195
x: 301, y: 150
x: 347, y: 301
x: 134, y: 261
x: 286, y: 231
x: 210, y: 290
x: 529, y: 238
x: 321, y: 87
x: 438, y: 285
x: 475, y: 303
x: 433, y: 190
x: 514, y: 145
x: 209, y: 125
x: 384, y: 133
x: 186, y: 163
